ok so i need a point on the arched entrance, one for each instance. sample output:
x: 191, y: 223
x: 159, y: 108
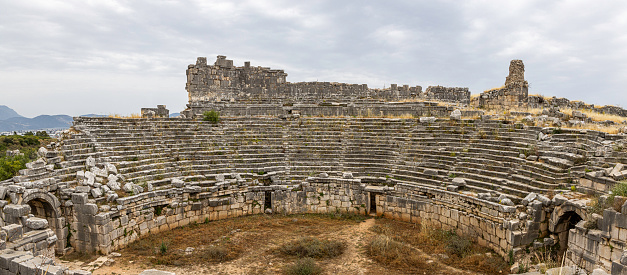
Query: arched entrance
x: 562, y: 221
x: 46, y: 206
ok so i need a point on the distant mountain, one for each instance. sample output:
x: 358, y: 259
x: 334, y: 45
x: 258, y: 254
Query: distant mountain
x: 93, y: 115
x: 36, y: 123
x: 175, y: 114
x: 6, y: 112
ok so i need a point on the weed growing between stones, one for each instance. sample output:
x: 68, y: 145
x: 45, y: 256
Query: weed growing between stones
x: 615, y: 200
x: 212, y: 116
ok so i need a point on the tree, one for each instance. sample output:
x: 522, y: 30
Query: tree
x: 212, y: 116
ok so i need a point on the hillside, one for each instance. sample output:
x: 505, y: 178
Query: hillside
x: 6, y: 112
x: 36, y: 123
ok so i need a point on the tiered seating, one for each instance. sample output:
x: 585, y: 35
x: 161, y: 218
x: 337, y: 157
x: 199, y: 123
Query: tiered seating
x: 486, y: 154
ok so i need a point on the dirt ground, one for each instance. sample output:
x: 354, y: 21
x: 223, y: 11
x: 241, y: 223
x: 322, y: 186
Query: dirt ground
x: 252, y: 243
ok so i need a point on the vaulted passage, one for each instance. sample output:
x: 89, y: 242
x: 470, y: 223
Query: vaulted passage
x: 565, y: 223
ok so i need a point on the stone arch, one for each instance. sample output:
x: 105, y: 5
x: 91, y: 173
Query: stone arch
x: 564, y: 218
x: 45, y: 205
x: 558, y: 213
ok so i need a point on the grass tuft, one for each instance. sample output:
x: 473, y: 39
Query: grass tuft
x: 306, y: 266
x: 313, y: 248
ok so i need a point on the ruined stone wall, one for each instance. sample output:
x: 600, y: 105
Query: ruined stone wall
x: 160, y: 111
x: 600, y: 242
x: 157, y: 211
x: 222, y: 82
x: 448, y: 94
x: 541, y: 102
x: 416, y: 109
x: 513, y: 94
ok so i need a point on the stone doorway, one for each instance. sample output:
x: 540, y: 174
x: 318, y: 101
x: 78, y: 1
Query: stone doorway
x: 46, y: 206
x: 565, y: 223
x: 267, y: 203
x: 373, y: 204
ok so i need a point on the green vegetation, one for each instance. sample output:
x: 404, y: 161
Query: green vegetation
x: 306, y: 266
x: 27, y: 144
x: 614, y: 200
x: 212, y: 116
x: 163, y: 248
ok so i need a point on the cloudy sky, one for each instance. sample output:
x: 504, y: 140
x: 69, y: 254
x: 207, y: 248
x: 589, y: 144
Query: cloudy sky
x: 114, y: 57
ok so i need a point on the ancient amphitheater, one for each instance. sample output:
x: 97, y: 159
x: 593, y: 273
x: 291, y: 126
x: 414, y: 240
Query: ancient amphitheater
x: 436, y: 157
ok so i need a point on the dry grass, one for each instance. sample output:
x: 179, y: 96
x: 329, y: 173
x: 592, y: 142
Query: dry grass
x: 462, y: 251
x: 306, y: 266
x: 220, y: 241
x: 596, y: 116
x: 385, y: 250
x: 134, y: 115
x: 492, y: 89
x: 311, y: 247
x: 595, y: 127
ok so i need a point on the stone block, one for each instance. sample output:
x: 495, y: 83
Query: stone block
x: 156, y: 272
x: 16, y: 210
x: 36, y: 223
x: 15, y: 263
x: 13, y: 232
x: 89, y: 209
x: 79, y: 198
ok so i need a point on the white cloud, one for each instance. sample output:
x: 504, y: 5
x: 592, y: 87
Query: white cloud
x: 139, y: 50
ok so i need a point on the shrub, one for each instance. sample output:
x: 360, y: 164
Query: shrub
x: 313, y: 247
x: 212, y: 116
x: 458, y: 245
x: 385, y: 250
x: 620, y: 189
x: 306, y: 266
x: 216, y: 253
x: 163, y: 248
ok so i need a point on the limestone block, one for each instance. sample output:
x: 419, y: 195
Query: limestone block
x: 430, y: 172
x: 90, y: 162
x: 36, y: 223
x: 111, y: 168
x: 133, y: 188
x: 12, y: 232
x: 506, y: 201
x: 178, y: 183
x: 79, y: 198
x: 90, y: 178
x: 89, y: 208
x: 16, y: 210
x: 559, y: 199
x: 156, y: 272
x: 529, y: 198
x: 545, y: 201
x: 456, y: 115
x: 113, y: 184
x: 427, y: 119
x: 96, y: 193
x: 16, y: 189
x: 112, y: 197
x: 82, y: 189
x: 617, y: 168
x: 459, y: 182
